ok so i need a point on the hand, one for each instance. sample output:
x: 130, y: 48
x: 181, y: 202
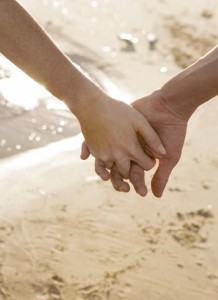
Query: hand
x: 110, y: 128
x: 171, y: 128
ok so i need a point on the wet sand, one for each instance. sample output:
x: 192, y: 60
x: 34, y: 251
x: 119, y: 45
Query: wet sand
x: 66, y: 235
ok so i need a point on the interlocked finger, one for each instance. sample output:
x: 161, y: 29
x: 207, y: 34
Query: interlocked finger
x: 101, y: 170
x: 117, y: 180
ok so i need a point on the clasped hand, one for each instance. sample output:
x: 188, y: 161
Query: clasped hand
x: 125, y: 141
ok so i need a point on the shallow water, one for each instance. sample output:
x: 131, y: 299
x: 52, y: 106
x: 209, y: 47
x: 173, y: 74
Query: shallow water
x: 29, y: 116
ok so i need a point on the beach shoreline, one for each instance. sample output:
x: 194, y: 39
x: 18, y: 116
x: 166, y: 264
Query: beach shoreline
x: 65, y: 234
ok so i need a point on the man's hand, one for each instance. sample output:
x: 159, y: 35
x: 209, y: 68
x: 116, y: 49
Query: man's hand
x: 168, y: 111
x: 171, y: 128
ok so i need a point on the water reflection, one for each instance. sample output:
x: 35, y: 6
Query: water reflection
x: 94, y: 3
x: 60, y: 6
x: 32, y: 117
x: 163, y: 69
x: 3, y: 142
x: 26, y: 97
x: 60, y: 129
x: 41, y: 155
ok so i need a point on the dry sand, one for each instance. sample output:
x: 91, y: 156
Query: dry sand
x: 64, y: 234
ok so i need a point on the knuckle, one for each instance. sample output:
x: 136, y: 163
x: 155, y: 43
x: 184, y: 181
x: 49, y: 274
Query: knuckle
x: 132, y: 149
x: 119, y: 155
x: 104, y: 158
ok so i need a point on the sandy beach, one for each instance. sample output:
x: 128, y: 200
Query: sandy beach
x: 65, y: 234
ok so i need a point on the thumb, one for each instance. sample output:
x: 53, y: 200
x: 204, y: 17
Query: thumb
x: 85, y: 153
x: 161, y: 176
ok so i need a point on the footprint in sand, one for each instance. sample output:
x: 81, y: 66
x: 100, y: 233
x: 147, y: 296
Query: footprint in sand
x: 191, y: 228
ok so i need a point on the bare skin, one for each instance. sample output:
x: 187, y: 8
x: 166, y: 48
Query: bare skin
x: 172, y: 130
x: 168, y: 111
x: 111, y: 136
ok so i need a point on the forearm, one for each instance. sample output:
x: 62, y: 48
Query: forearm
x: 193, y: 86
x: 26, y: 44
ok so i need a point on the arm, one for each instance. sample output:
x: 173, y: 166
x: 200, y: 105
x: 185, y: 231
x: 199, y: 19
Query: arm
x: 193, y: 86
x: 111, y: 136
x: 28, y: 46
x: 169, y: 109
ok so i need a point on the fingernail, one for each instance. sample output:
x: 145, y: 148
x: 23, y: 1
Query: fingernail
x: 162, y: 150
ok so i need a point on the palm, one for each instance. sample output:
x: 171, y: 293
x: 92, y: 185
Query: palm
x: 171, y: 129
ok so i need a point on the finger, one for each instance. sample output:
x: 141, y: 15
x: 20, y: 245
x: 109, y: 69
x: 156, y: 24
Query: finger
x: 117, y: 180
x: 137, y: 178
x: 161, y: 176
x: 84, y: 151
x: 109, y: 164
x: 143, y: 159
x: 151, y: 139
x: 101, y: 170
x: 144, y: 146
x: 123, y: 166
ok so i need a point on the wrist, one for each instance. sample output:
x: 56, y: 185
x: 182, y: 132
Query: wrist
x: 86, y: 101
x: 83, y: 96
x: 185, y: 92
x: 176, y: 106
x: 179, y: 103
